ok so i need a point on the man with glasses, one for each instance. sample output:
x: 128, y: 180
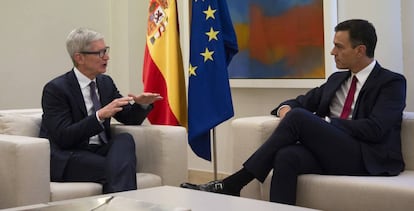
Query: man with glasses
x: 77, y: 109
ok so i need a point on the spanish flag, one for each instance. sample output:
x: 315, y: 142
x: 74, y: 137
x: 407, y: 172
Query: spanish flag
x: 163, y: 65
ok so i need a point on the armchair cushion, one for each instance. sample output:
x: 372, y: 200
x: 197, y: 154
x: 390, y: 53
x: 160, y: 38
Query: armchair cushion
x: 70, y: 190
x: 17, y: 124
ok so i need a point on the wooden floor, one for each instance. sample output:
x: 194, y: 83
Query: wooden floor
x: 200, y: 177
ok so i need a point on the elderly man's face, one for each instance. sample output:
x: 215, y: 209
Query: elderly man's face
x: 91, y: 63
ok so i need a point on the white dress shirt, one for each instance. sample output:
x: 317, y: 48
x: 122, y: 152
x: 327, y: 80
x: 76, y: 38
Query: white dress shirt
x: 339, y: 100
x: 84, y: 85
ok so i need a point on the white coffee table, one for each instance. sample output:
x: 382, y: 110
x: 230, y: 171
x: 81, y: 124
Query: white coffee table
x: 180, y: 199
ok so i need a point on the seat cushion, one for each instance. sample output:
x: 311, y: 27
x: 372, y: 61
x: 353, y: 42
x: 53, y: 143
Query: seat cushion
x: 70, y: 190
x: 357, y: 192
x: 326, y: 192
x: 147, y: 180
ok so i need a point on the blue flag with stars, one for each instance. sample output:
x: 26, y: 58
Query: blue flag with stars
x: 213, y: 44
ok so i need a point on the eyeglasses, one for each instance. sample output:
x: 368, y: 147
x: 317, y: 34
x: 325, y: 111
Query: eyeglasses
x: 100, y: 53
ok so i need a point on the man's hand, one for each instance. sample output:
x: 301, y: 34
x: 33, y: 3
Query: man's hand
x: 146, y: 98
x: 284, y: 110
x: 113, y: 107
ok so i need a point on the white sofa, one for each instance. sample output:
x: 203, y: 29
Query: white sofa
x: 331, y: 192
x: 25, y: 160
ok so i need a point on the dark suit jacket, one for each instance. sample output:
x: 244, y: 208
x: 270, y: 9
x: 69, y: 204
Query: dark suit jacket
x: 65, y: 121
x: 376, y: 119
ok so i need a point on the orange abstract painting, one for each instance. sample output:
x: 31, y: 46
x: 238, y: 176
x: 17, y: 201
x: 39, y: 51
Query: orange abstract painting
x: 278, y: 39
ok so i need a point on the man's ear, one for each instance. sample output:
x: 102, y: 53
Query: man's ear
x: 362, y: 50
x: 79, y: 58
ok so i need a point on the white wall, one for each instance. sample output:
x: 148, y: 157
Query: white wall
x: 128, y: 29
x: 407, y: 8
x: 386, y: 17
x: 33, y: 52
x: 32, y: 40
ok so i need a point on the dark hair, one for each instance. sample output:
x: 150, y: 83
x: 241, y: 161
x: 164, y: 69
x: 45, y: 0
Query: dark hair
x: 361, y: 32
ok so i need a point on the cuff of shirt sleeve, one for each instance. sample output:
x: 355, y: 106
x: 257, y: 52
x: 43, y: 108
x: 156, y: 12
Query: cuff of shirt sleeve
x: 97, y: 117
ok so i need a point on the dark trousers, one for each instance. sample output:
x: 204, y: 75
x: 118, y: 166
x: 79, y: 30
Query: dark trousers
x: 304, y: 143
x: 113, y: 165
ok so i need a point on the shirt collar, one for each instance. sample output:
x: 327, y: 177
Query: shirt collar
x: 362, y: 75
x: 82, y: 79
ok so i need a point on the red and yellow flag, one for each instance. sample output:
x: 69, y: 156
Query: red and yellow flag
x: 163, y: 65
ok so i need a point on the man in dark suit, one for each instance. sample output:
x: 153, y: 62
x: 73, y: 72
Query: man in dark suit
x: 324, y: 132
x: 77, y: 109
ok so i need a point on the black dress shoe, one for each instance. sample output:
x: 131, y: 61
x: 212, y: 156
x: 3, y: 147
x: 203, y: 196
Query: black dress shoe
x: 189, y: 186
x: 215, y: 186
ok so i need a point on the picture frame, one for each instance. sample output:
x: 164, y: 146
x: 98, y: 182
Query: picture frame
x: 330, y: 18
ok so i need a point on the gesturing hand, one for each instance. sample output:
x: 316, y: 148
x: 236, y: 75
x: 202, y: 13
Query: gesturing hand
x: 113, y: 107
x: 146, y: 98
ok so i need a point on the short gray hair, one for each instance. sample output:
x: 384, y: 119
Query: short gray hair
x: 80, y: 39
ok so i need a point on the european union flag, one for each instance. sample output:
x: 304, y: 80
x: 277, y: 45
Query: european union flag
x: 212, y: 46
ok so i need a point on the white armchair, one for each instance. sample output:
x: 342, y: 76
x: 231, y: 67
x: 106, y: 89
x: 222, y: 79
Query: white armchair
x: 25, y: 160
x: 330, y: 192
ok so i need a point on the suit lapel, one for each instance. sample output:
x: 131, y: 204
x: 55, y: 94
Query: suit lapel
x: 76, y: 91
x: 369, y: 83
x: 371, y: 79
x: 103, y: 95
x: 335, y: 84
x: 330, y: 87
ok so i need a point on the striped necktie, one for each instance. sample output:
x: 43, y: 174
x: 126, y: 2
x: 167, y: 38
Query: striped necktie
x: 97, y: 106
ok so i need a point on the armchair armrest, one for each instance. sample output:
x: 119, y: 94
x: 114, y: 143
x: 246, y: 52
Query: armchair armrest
x: 24, y: 170
x: 161, y: 150
x: 249, y: 133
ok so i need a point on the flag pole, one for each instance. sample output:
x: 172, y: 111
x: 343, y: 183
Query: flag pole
x: 214, y: 154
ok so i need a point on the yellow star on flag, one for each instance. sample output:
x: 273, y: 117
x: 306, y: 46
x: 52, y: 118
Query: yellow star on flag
x: 212, y: 34
x: 207, y: 55
x: 192, y: 70
x: 209, y: 13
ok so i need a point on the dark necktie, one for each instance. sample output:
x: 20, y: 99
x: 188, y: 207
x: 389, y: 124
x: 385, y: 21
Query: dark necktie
x: 349, y: 99
x: 97, y: 106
